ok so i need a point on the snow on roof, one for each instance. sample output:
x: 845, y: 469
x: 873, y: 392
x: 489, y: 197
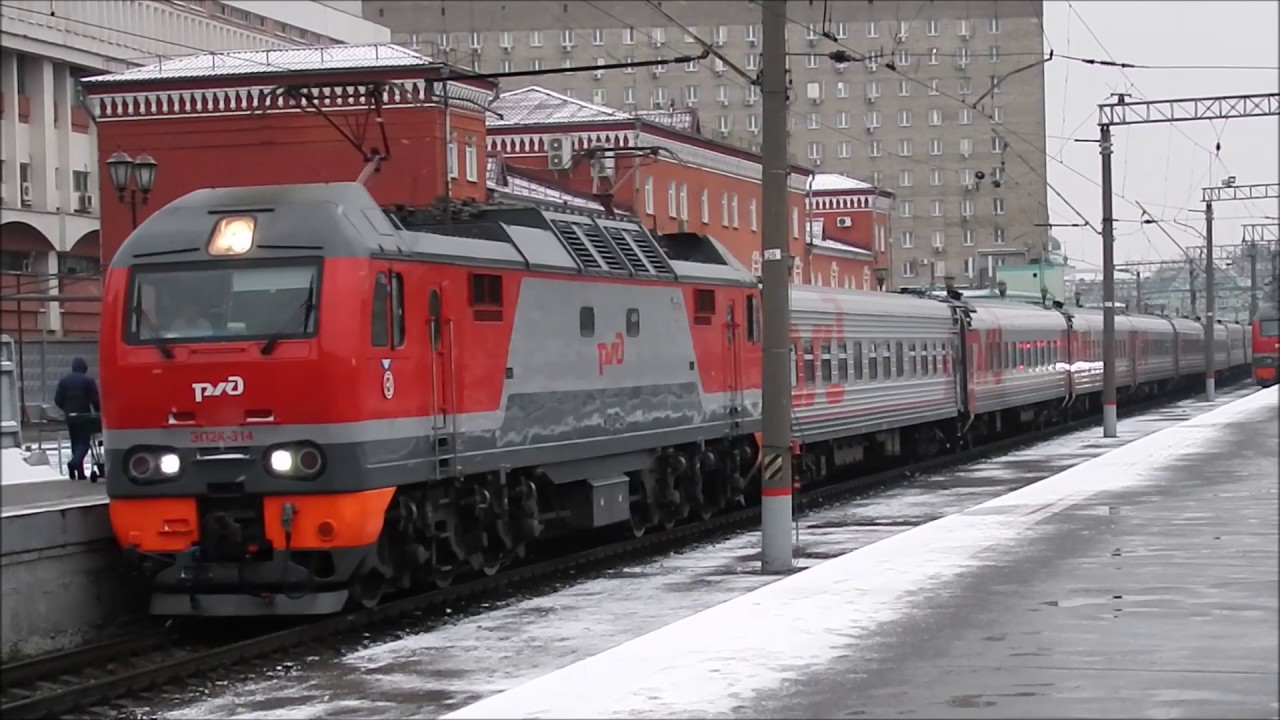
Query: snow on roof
x: 685, y: 119
x: 818, y: 239
x: 536, y: 105
x: 835, y: 181
x: 272, y: 62
x: 502, y: 181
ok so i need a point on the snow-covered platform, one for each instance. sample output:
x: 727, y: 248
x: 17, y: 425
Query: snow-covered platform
x: 1140, y: 583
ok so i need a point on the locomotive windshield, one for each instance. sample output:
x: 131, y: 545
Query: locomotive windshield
x: 215, y: 302
x: 1269, y: 328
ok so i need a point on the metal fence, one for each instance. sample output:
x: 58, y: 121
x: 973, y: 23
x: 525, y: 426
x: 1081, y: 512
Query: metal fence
x: 42, y: 362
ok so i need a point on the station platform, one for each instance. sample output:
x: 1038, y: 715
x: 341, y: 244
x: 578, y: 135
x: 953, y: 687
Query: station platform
x: 59, y: 560
x: 1139, y: 583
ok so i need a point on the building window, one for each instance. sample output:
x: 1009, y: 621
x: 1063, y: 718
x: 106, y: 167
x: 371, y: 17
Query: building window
x: 706, y: 207
x: 600, y: 96
x: 875, y: 149
x: 994, y: 27
x: 994, y: 54
x: 908, y: 239
x: 904, y: 147
x: 935, y: 177
x: 935, y: 117
x: 733, y: 210
x: 535, y: 38
x: 904, y: 88
x: 724, y: 209
x: 997, y: 206
x: 997, y: 236
x: 905, y: 178
x: 815, y: 121
x: 905, y: 209
x: 904, y: 118
x: 873, y: 30
x: 471, y: 162
x: 597, y: 37
x: 648, y: 195
x: 933, y: 56
x: 968, y: 236
x: 939, y: 238
x: 671, y: 199
x: 935, y: 146
x: 933, y: 87
x: 844, y: 149
x: 452, y: 160
x: 684, y: 201
x: 966, y: 86
x: 815, y: 151
x: 908, y: 270
x: 935, y: 208
x: 842, y: 89
x: 997, y: 144
x: 966, y: 116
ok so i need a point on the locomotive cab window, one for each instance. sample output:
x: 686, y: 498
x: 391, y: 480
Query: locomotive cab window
x: 223, y: 301
x: 753, y: 319
x: 587, y: 321
x: 704, y: 306
x: 486, y: 297
x: 378, y: 336
x: 633, y: 322
x: 397, y: 310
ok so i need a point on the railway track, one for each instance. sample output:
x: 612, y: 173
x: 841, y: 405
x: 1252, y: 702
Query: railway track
x: 94, y: 680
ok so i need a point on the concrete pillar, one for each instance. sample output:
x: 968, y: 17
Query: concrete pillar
x: 44, y: 195
x: 63, y: 100
x: 9, y: 128
x: 49, y: 267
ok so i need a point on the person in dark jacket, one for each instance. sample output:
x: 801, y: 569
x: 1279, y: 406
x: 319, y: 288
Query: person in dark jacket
x: 77, y: 395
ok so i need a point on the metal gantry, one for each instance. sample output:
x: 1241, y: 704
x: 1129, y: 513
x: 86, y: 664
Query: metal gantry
x: 1148, y: 112
x: 1227, y: 191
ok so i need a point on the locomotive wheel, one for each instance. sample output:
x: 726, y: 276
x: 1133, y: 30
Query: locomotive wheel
x: 639, y: 508
x: 367, y: 588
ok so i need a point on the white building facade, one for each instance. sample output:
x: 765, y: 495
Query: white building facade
x: 49, y: 174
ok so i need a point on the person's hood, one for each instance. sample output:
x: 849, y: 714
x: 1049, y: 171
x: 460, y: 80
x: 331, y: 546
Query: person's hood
x: 79, y: 365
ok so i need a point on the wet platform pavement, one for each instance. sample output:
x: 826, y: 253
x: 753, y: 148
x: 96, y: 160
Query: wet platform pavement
x: 936, y: 661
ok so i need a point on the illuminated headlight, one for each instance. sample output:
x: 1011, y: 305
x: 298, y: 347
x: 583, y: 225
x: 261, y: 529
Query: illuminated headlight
x: 298, y: 461
x: 281, y: 461
x: 170, y: 464
x: 232, y: 235
x: 153, y: 464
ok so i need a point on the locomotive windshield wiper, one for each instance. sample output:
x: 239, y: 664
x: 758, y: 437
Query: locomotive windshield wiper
x: 307, y: 306
x: 156, y: 339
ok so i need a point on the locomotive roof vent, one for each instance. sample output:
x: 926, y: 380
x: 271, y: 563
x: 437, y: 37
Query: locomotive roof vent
x: 232, y: 235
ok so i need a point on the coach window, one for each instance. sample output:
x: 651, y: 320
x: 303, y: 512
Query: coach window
x: 826, y: 363
x: 938, y: 350
x: 810, y: 376
x: 753, y: 321
x: 912, y: 359
x: 379, y: 322
x: 397, y: 310
x: 886, y: 361
x: 873, y: 361
x: 587, y: 321
x: 857, y: 360
x: 842, y: 363
x: 633, y: 322
x: 898, y: 358
x: 486, y: 297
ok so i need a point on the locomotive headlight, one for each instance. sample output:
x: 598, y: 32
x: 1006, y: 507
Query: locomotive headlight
x: 281, y: 461
x: 170, y: 464
x: 232, y: 235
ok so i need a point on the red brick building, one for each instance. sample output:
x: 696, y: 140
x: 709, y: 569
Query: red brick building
x: 848, y: 231
x: 290, y: 116
x: 656, y: 166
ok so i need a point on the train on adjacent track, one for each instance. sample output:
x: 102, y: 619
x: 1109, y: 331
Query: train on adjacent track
x: 1265, y: 328
x: 328, y: 400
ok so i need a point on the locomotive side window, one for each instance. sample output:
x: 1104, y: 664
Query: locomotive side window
x: 753, y: 320
x: 486, y: 297
x: 433, y: 317
x: 704, y: 306
x: 381, y: 311
x: 633, y: 322
x: 587, y: 321
x: 397, y: 310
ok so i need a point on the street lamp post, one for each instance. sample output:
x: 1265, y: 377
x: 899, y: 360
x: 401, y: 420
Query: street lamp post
x: 141, y: 170
x: 881, y: 274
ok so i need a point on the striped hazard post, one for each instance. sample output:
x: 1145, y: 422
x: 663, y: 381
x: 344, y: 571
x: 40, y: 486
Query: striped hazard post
x: 773, y: 486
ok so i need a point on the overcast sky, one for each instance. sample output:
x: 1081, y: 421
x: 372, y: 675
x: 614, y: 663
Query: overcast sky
x: 1161, y: 166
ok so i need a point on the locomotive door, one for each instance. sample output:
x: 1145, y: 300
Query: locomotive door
x: 443, y: 400
x: 733, y: 358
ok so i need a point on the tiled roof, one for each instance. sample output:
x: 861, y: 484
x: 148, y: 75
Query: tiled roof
x: 834, y: 181
x: 539, y: 106
x: 271, y: 62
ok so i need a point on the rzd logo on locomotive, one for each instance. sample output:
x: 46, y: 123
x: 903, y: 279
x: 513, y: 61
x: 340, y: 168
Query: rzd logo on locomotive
x: 613, y: 353
x: 233, y: 385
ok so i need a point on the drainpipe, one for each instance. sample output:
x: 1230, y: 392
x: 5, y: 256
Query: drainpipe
x: 808, y: 217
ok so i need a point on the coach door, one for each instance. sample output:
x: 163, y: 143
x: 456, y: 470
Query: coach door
x: 443, y: 400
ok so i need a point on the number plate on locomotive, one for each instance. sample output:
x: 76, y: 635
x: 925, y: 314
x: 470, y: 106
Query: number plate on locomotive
x: 221, y: 437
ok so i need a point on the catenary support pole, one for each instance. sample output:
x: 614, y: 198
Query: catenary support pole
x: 1108, y: 292
x: 1208, y: 303
x: 775, y: 487
x: 1253, y: 281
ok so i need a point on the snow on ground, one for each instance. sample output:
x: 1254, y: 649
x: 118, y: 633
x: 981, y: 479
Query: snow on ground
x: 507, y: 644
x: 15, y: 470
x: 705, y: 665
